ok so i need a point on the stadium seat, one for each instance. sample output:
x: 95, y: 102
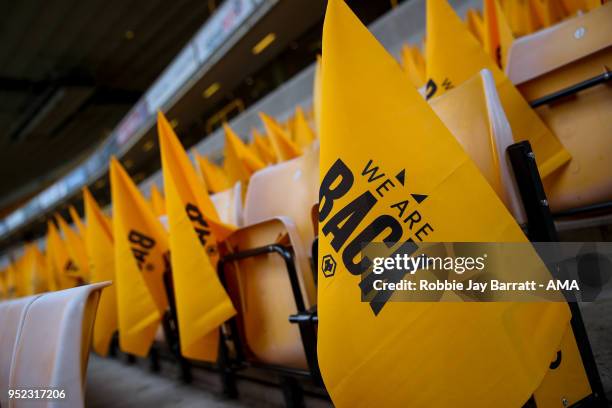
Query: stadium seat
x: 474, y: 115
x: 228, y: 204
x: 12, y: 314
x: 44, y: 342
x: 553, y: 60
x: 277, y: 210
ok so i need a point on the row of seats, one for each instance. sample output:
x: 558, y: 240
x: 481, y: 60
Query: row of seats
x: 281, y: 199
x: 567, y: 54
x: 280, y: 207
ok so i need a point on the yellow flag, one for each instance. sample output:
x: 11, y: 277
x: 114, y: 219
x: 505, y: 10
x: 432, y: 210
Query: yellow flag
x: 414, y: 65
x: 264, y: 148
x: 392, y: 172
x: 74, y: 215
x: 37, y: 276
x: 202, y: 303
x: 76, y: 249
x: 454, y: 56
x: 521, y: 16
x: 253, y: 149
x: 53, y: 278
x: 214, y: 176
x: 11, y: 281
x: 239, y: 163
x: 302, y: 131
x: 548, y: 12
x: 3, y: 288
x: 316, y: 96
x: 283, y: 146
x: 575, y: 6
x: 157, y: 202
x: 65, y: 266
x: 100, y: 250
x: 498, y: 35
x: 474, y: 23
x: 22, y: 273
x: 141, y: 259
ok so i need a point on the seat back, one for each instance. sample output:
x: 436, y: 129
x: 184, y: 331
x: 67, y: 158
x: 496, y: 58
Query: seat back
x: 12, y: 316
x: 51, y: 341
x: 566, y: 54
x: 277, y: 209
x: 474, y: 115
x: 549, y: 54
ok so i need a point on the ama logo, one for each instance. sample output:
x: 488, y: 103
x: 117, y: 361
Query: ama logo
x: 141, y: 246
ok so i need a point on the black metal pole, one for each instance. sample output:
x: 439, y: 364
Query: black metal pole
x: 571, y: 90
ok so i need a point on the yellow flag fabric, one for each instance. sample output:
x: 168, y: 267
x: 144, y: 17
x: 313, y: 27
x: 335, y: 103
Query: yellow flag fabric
x: 214, y: 176
x: 65, y: 266
x: 548, y: 12
x: 202, y: 303
x: 76, y: 249
x: 521, y: 16
x: 3, y: 288
x: 263, y: 147
x: 316, y: 96
x: 453, y: 56
x: 157, y: 202
x: 414, y: 65
x: 10, y: 280
x: 253, y: 149
x: 239, y: 162
x: 34, y: 271
x: 100, y: 250
x: 498, y: 35
x: 301, y: 129
x: 52, y: 273
x: 74, y: 215
x: 392, y: 172
x: 141, y: 259
x: 23, y: 273
x: 283, y: 146
x: 475, y: 23
x: 574, y: 6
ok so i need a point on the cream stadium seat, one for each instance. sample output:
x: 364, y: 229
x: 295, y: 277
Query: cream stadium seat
x: 474, y: 115
x: 277, y: 210
x: 228, y: 204
x: 12, y: 314
x: 45, y: 343
x: 555, y: 59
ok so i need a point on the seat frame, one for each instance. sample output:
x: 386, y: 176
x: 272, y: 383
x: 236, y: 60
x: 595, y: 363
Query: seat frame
x: 306, y: 319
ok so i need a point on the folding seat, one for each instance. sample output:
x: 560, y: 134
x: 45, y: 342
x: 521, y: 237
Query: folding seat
x: 52, y: 340
x: 12, y: 313
x: 474, y: 115
x: 278, y: 209
x: 546, y: 67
